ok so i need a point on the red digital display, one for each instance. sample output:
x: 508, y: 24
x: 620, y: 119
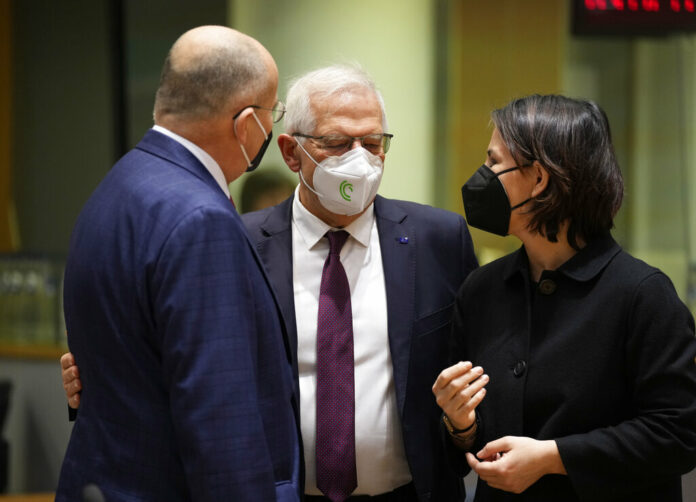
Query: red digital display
x: 633, y: 17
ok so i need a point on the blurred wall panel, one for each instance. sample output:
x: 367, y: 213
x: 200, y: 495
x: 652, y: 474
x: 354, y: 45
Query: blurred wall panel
x: 495, y: 51
x: 662, y: 188
x: 62, y: 115
x: 7, y: 243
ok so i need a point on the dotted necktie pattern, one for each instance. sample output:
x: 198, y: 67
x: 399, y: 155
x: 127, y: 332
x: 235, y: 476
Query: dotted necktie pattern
x: 335, y: 434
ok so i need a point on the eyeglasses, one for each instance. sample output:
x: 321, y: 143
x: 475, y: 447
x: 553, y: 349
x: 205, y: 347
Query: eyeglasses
x: 278, y: 111
x: 339, y: 144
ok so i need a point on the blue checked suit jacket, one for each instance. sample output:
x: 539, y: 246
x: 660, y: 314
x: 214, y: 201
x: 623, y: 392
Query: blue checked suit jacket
x: 426, y: 255
x: 185, y: 361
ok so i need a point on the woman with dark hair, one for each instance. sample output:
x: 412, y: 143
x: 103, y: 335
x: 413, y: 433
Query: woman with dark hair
x: 589, y: 391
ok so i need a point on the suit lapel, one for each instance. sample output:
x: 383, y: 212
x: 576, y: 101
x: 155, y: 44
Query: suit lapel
x: 274, y: 247
x: 397, y: 240
x: 274, y: 251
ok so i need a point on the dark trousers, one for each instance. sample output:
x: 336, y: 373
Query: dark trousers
x: 406, y: 493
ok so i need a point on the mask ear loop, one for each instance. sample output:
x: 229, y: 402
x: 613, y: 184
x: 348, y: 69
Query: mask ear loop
x: 265, y: 134
x: 308, y: 187
x: 300, y: 171
x: 512, y: 208
x: 305, y: 151
x: 265, y: 137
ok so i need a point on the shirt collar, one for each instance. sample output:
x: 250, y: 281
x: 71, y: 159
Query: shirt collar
x: 585, y: 265
x: 208, y: 162
x: 313, y: 229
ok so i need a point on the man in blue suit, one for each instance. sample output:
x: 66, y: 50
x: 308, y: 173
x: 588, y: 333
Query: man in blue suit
x: 404, y: 263
x: 185, y: 360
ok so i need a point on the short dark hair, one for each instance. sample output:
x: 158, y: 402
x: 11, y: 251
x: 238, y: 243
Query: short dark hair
x: 571, y: 139
x: 202, y: 88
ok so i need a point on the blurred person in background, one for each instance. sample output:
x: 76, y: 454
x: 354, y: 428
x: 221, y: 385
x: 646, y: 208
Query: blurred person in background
x: 264, y: 188
x: 588, y: 352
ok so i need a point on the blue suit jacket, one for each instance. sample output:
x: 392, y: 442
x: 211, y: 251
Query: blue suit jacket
x: 426, y: 254
x: 185, y: 362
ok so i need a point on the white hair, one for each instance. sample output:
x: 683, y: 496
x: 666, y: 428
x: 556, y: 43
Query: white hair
x: 331, y: 80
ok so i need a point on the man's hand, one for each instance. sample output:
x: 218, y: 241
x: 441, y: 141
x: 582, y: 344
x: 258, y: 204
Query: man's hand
x: 71, y: 380
x: 458, y: 390
x: 513, y: 463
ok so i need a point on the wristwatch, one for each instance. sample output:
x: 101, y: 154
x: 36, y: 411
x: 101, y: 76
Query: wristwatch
x: 454, y: 431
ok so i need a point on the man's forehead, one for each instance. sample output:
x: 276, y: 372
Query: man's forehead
x: 343, y: 97
x: 348, y: 110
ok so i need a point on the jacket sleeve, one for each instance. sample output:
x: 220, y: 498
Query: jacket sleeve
x: 72, y: 413
x: 458, y: 351
x: 205, y: 313
x: 659, y: 440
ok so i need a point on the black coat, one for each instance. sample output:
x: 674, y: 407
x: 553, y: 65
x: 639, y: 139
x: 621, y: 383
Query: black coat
x: 598, y: 356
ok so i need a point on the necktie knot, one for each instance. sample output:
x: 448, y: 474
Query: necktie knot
x: 336, y: 241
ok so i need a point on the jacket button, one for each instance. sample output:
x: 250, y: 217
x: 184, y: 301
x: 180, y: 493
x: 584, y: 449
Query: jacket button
x: 547, y: 287
x: 519, y: 369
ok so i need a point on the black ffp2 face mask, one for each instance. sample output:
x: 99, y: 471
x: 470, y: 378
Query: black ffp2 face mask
x: 486, y: 202
x: 257, y: 160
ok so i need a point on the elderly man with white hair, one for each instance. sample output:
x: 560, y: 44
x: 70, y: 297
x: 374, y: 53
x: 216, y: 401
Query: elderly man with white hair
x: 370, y: 339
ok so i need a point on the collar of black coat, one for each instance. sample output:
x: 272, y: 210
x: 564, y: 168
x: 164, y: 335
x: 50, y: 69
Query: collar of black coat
x: 584, y: 266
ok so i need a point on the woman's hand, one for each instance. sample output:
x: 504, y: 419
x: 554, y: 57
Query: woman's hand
x: 71, y: 380
x: 514, y: 463
x: 458, y: 390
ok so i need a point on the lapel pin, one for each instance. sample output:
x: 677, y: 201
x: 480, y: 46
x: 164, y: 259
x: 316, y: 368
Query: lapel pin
x: 403, y: 240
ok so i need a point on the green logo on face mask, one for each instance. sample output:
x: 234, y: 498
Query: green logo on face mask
x: 345, y: 186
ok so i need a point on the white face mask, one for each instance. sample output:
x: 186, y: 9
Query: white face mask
x: 348, y: 183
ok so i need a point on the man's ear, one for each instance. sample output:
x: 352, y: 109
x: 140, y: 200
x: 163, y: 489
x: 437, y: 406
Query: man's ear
x: 290, y: 151
x: 240, y: 125
x: 542, y: 178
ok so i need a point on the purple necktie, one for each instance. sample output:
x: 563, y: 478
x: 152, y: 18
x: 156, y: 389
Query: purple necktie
x: 336, y: 472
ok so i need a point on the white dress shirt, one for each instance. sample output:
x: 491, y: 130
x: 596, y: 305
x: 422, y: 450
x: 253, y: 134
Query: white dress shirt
x: 207, y: 161
x: 379, y: 449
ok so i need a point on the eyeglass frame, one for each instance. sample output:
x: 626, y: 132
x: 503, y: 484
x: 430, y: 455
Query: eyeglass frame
x: 386, y: 138
x: 278, y: 107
